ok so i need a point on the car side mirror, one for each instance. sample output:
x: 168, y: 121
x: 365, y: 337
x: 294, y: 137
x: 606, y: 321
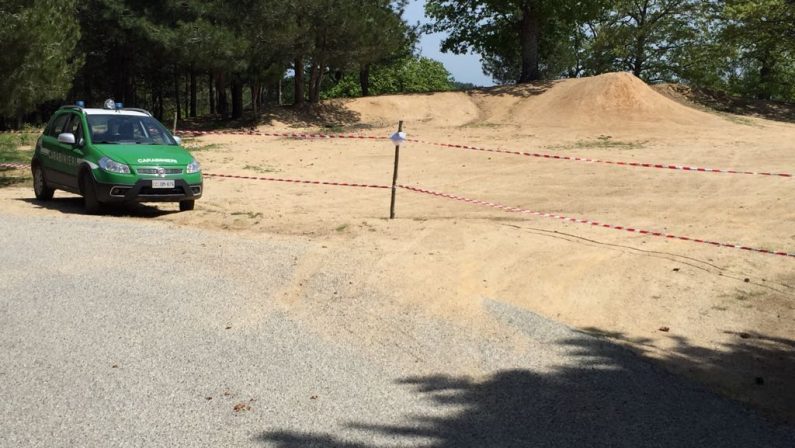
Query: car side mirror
x: 178, y: 140
x: 66, y: 138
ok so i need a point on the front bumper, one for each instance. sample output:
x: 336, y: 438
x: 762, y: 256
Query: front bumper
x: 142, y: 191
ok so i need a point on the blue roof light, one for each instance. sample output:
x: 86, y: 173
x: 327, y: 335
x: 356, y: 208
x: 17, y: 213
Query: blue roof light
x: 80, y: 103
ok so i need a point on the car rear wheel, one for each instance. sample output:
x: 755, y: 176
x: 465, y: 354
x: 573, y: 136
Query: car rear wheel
x: 40, y: 188
x: 186, y: 205
x: 89, y: 190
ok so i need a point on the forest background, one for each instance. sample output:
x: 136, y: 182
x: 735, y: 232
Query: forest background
x: 225, y: 58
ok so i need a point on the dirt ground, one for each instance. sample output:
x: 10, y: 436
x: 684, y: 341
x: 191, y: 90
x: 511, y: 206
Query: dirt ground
x: 722, y: 316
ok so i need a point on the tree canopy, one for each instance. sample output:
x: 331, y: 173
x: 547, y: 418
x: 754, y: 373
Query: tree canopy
x: 740, y: 46
x: 221, y: 57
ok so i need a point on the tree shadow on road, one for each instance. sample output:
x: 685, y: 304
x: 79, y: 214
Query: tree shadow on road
x: 607, y: 397
x: 749, y: 367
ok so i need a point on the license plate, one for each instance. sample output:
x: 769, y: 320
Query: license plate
x: 162, y: 184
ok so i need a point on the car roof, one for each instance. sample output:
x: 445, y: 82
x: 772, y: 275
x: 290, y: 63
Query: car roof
x: 132, y: 113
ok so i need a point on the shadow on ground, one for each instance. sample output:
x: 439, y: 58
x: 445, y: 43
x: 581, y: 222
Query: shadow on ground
x: 332, y: 115
x: 605, y: 396
x: 752, y: 368
x: 520, y: 90
x: 724, y: 102
x: 74, y: 205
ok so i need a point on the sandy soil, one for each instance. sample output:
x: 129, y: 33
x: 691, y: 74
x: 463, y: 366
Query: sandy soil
x: 722, y: 316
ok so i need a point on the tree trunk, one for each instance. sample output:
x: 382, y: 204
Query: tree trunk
x: 299, y: 81
x: 639, y: 57
x: 364, y: 79
x: 176, y: 94
x: 255, y: 97
x: 314, y: 82
x: 279, y: 92
x: 220, y: 88
x: 192, y: 93
x: 187, y: 95
x: 765, y: 79
x: 160, y: 101
x: 212, y: 94
x: 237, y: 98
x: 529, y: 33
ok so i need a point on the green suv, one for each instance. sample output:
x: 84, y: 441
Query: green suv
x: 112, y: 155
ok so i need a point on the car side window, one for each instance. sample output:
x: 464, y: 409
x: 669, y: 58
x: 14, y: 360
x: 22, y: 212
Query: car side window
x: 75, y: 127
x: 59, y: 125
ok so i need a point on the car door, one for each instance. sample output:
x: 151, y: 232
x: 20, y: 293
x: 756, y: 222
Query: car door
x: 73, y: 153
x: 52, y: 153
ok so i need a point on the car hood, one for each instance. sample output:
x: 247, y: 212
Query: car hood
x: 147, y: 155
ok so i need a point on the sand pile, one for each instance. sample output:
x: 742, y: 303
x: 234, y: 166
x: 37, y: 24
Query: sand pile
x: 609, y: 101
x: 613, y: 99
x: 444, y: 109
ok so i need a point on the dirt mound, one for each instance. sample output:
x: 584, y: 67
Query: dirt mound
x: 445, y: 109
x: 609, y: 101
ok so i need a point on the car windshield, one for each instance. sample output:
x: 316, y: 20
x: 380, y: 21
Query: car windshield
x: 128, y: 129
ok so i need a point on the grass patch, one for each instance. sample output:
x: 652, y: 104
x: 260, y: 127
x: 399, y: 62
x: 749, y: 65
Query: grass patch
x: 341, y: 228
x: 333, y: 128
x: 482, y: 124
x: 252, y: 215
x: 10, y: 181
x: 192, y: 145
x: 604, y: 142
x: 262, y: 168
x: 16, y: 147
x: 737, y: 119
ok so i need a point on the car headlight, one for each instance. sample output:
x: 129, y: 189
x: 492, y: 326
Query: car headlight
x: 193, y: 167
x: 113, y: 166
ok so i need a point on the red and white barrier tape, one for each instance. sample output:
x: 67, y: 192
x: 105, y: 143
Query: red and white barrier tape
x: 294, y: 135
x: 486, y: 204
x: 551, y: 156
x: 590, y: 222
x: 607, y: 162
x: 297, y: 181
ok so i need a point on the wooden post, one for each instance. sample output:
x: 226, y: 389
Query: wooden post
x: 395, y: 175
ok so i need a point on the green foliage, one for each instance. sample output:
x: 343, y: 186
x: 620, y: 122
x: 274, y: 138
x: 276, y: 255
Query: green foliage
x: 167, y: 55
x: 642, y: 37
x: 746, y: 48
x: 38, y: 62
x: 408, y: 75
x: 512, y: 36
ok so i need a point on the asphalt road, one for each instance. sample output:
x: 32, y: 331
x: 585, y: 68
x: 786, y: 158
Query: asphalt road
x: 118, y: 332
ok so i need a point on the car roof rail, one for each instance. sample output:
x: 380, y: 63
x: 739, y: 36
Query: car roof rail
x: 71, y: 107
x: 136, y: 109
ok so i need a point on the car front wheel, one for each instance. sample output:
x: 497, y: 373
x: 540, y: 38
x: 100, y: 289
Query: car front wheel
x: 40, y: 188
x: 186, y: 205
x: 89, y: 190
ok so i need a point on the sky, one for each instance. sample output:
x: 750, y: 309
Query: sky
x: 465, y: 68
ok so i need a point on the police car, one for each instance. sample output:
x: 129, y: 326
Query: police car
x: 113, y: 154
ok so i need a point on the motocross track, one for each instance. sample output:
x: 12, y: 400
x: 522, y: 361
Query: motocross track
x: 722, y: 316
